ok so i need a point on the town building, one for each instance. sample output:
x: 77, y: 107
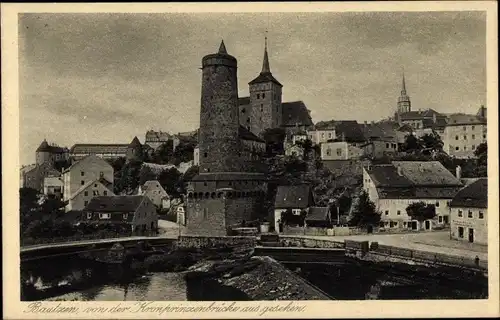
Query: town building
x: 130, y: 151
x: 85, y: 179
x: 136, y: 213
x: 50, y: 153
x: 340, y: 151
x: 340, y: 130
x: 392, y: 187
x: 33, y: 177
x: 155, y: 192
x: 294, y: 150
x: 155, y: 139
x: 53, y: 186
x: 295, y: 198
x: 463, y: 134
x: 263, y: 108
x: 230, y: 187
x: 378, y: 148
x: 319, y: 217
x: 322, y: 133
x: 184, y: 137
x: 469, y: 213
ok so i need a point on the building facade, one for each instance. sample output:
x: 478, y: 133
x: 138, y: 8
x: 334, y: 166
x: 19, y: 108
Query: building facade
x: 50, y: 153
x: 53, y: 186
x: 154, y: 191
x: 463, y: 134
x: 155, y: 139
x: 82, y: 197
x: 469, y: 213
x: 229, y: 190
x: 34, y: 177
x: 136, y: 213
x: 393, y: 187
x: 83, y: 173
x: 340, y: 151
x: 129, y: 151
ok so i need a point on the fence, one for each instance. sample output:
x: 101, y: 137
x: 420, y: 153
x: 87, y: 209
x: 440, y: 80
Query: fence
x: 428, y: 256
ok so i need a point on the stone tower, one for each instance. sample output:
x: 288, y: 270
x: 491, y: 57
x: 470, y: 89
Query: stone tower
x: 265, y: 99
x: 219, y: 123
x: 404, y: 104
x: 43, y: 153
x: 226, y: 193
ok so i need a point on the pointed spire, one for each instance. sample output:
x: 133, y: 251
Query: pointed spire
x: 222, y: 48
x: 403, y: 87
x: 265, y: 63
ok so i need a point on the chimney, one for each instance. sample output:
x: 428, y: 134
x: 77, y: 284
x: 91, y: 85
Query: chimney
x: 400, y: 171
x: 458, y: 172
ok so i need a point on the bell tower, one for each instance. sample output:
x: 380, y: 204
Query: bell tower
x: 404, y: 104
x: 265, y: 98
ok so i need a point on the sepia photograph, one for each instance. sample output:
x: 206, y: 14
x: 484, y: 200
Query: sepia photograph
x: 253, y: 156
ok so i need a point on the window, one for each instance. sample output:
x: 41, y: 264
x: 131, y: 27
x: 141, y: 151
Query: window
x: 473, y: 147
x: 322, y: 135
x: 95, y: 192
x: 85, y: 203
x: 399, y: 212
x: 258, y: 95
x: 387, y: 145
x: 437, y: 204
x: 248, y: 120
x: 95, y: 185
x: 481, y: 215
x: 469, y: 214
x: 440, y: 219
x: 460, y: 232
x: 484, y: 136
x: 205, y: 154
x: 125, y: 216
x: 386, y: 212
x: 86, y: 193
x: 473, y: 127
x: 89, y: 215
x: 105, y: 193
x: 261, y: 107
x: 328, y: 152
x: 456, y: 137
x: 460, y: 214
x: 465, y: 148
x: 473, y: 136
x: 101, y: 174
x: 465, y: 128
x: 339, y: 151
x: 205, y: 213
x: 82, y: 182
x: 263, y: 95
x: 465, y: 137
x: 243, y: 110
x: 277, y: 109
x: 82, y: 173
x: 104, y: 216
x: 457, y: 148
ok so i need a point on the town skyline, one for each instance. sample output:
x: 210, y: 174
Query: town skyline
x: 88, y: 78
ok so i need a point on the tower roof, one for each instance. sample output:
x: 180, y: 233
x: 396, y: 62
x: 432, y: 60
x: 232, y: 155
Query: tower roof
x: 44, y: 147
x: 222, y: 48
x: 222, y: 57
x: 265, y: 75
x: 403, y: 85
x: 135, y: 142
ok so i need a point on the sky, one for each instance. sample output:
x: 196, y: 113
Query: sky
x: 105, y: 78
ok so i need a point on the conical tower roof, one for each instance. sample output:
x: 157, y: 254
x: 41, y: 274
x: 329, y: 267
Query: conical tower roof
x: 222, y: 48
x: 44, y: 146
x: 135, y: 142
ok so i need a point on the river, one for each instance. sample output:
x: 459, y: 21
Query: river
x: 82, y: 280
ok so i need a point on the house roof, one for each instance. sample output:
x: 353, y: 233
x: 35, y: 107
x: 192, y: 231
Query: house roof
x: 296, y: 196
x: 82, y: 160
x: 381, y: 130
x: 460, y: 119
x: 89, y: 148
x: 350, y: 129
x: 115, y: 203
x: 474, y: 195
x: 386, y: 175
x: 427, y: 173
x: 294, y: 113
x: 245, y: 134
x: 420, y: 114
x: 318, y: 214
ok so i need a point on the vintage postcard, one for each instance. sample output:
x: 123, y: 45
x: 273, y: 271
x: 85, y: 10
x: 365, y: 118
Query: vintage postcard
x: 250, y: 160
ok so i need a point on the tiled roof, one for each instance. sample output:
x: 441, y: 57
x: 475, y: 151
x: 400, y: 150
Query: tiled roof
x: 386, y: 175
x: 318, y: 214
x: 296, y: 196
x: 475, y: 195
x: 265, y: 77
x: 350, y: 129
x: 380, y: 130
x: 135, y: 142
x: 295, y: 113
x: 74, y: 164
x: 83, y: 148
x: 427, y: 173
x: 459, y: 119
x: 243, y: 101
x: 115, y: 203
x: 417, y: 115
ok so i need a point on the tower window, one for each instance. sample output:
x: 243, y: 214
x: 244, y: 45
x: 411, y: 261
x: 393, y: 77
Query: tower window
x: 248, y: 120
x: 258, y: 95
x: 263, y: 95
x: 243, y: 110
x: 205, y: 154
x: 261, y: 107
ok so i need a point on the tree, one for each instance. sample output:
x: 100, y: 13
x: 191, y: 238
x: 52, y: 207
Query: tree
x: 146, y: 174
x: 365, y: 214
x: 411, y: 144
x: 169, y: 180
x: 184, y: 152
x: 29, y: 206
x: 481, y: 153
x: 274, y: 138
x: 164, y: 153
x: 421, y: 211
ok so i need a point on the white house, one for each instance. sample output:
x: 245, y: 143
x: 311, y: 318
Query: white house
x: 393, y: 187
x: 469, y: 213
x: 340, y: 150
x: 463, y: 134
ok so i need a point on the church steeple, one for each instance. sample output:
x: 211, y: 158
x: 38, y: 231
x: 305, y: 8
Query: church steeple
x: 404, y: 104
x: 265, y: 63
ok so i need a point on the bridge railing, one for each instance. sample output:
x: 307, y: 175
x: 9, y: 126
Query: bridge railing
x: 75, y: 238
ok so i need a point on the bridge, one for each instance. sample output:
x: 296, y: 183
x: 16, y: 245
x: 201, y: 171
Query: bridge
x: 42, y: 251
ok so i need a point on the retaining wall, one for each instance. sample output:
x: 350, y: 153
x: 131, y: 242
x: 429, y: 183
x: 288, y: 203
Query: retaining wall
x: 210, y: 242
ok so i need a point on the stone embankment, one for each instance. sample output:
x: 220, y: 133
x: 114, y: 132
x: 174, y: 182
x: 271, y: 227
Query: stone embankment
x: 258, y: 278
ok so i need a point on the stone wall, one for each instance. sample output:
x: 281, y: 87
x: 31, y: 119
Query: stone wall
x: 201, y: 242
x: 205, y: 217
x: 290, y: 241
